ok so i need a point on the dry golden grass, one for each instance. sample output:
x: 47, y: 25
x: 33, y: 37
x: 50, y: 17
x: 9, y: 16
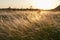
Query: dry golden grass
x: 29, y: 25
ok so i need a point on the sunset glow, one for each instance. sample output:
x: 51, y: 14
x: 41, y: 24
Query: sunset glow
x: 46, y: 4
x: 40, y: 4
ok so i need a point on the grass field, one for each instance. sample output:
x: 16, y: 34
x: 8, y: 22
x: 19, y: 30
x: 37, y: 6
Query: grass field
x: 29, y: 25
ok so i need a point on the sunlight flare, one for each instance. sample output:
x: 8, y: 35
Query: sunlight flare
x: 45, y: 4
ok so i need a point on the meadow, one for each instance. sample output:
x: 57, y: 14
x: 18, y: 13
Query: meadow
x: 29, y: 25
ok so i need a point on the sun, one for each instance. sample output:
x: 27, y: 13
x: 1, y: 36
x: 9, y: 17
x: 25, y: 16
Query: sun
x: 45, y: 4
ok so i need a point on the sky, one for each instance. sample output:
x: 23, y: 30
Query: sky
x: 25, y: 3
